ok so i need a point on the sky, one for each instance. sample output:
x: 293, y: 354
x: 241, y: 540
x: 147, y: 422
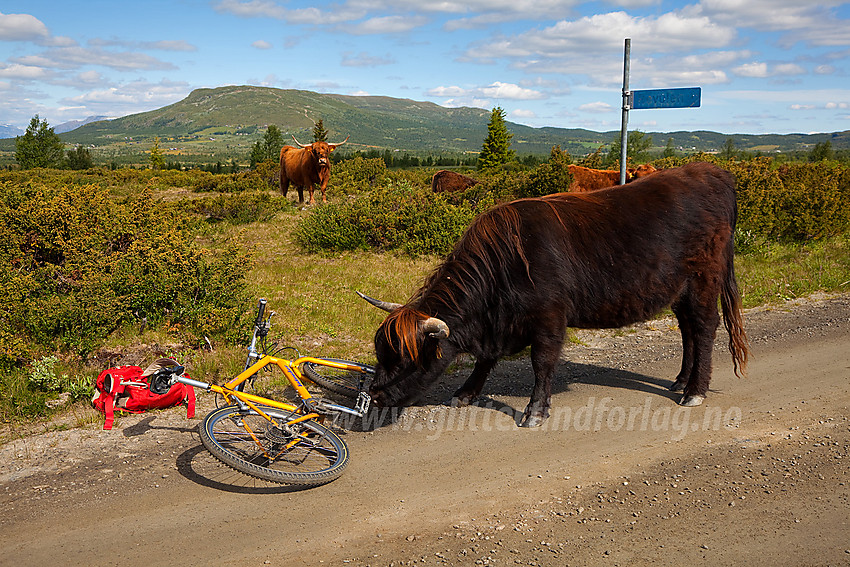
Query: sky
x: 764, y: 66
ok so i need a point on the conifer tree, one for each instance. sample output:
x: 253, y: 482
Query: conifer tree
x: 79, y: 158
x: 496, y: 149
x: 40, y: 146
x: 267, y: 149
x: 157, y: 161
x: 669, y: 150
x: 319, y: 132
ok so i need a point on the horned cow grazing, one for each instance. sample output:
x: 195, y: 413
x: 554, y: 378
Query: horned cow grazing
x: 526, y: 270
x: 445, y: 181
x: 306, y: 166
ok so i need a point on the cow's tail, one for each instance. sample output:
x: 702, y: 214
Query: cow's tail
x: 733, y: 318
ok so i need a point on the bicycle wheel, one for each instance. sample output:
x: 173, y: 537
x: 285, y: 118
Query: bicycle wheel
x: 305, y: 453
x: 338, y: 380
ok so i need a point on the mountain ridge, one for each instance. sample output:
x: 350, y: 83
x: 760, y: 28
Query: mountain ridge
x: 390, y: 123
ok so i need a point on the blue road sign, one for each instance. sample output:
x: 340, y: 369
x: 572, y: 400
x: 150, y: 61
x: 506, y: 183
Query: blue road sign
x: 666, y: 98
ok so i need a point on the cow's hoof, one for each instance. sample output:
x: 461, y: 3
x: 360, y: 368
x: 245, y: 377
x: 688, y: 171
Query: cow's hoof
x: 678, y: 386
x: 461, y: 401
x: 532, y: 421
x: 691, y: 401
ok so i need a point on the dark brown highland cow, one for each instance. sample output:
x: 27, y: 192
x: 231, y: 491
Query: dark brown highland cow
x: 445, y: 181
x: 525, y: 271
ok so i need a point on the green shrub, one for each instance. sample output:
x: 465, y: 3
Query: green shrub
x: 356, y: 175
x: 394, y: 217
x: 239, y: 208
x: 43, y: 375
x: 792, y: 203
x: 77, y: 265
x: 551, y: 177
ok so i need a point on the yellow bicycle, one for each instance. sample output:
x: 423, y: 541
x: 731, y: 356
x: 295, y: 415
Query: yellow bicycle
x: 274, y: 440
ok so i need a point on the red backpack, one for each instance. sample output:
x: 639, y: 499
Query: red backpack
x: 126, y: 388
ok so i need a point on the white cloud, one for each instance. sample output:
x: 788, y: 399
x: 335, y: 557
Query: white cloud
x: 260, y: 44
x: 365, y: 60
x: 464, y: 101
x: 251, y: 9
x: 596, y: 107
x: 136, y: 96
x: 74, y: 57
x: 22, y: 27
x: 815, y: 23
x: 755, y: 69
x: 761, y: 70
x: 668, y: 33
x: 523, y: 114
x: 452, y: 91
x: 498, y: 90
x: 385, y: 24
x: 90, y: 77
x: 169, y: 45
x: 786, y: 69
x: 22, y: 72
x: 510, y: 91
x: 308, y: 16
x: 162, y: 45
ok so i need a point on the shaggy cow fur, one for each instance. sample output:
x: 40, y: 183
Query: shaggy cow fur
x: 527, y: 270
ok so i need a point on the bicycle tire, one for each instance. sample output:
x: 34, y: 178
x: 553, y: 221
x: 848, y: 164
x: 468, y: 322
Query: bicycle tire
x: 339, y: 381
x: 318, y: 457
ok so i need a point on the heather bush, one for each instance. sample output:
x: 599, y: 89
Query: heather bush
x: 356, y: 175
x: 393, y: 217
x: 76, y: 265
x: 238, y: 208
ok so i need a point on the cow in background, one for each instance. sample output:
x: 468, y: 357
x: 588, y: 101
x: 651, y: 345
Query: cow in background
x: 643, y: 170
x: 445, y: 181
x: 587, y: 179
x: 306, y: 166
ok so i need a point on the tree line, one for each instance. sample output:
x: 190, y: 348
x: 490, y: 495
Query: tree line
x: 40, y: 146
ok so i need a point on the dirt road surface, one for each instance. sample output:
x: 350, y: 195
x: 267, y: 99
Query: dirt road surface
x: 619, y: 475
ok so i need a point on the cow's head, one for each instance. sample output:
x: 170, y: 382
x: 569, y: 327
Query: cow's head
x: 411, y: 353
x: 642, y: 170
x: 321, y: 151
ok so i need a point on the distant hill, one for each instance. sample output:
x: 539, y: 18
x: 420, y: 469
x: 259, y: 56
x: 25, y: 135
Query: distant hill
x: 7, y: 131
x: 386, y: 123
x: 74, y: 124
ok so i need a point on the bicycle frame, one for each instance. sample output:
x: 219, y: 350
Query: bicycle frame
x: 314, y: 408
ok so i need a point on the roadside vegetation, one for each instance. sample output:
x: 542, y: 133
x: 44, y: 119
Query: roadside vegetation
x: 98, y: 262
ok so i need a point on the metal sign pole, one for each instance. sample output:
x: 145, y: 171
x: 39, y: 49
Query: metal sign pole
x: 624, y: 129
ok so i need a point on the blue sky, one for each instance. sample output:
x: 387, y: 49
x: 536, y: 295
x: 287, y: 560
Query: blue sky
x: 765, y: 66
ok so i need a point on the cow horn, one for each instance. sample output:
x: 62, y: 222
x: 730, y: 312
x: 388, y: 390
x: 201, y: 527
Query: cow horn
x: 300, y: 145
x: 385, y: 305
x: 340, y: 143
x: 436, y: 328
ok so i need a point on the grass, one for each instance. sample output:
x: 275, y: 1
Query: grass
x: 771, y: 272
x: 317, y: 310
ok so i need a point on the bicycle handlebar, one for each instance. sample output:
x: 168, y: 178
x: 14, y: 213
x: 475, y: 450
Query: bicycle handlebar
x: 162, y: 380
x: 261, y: 309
